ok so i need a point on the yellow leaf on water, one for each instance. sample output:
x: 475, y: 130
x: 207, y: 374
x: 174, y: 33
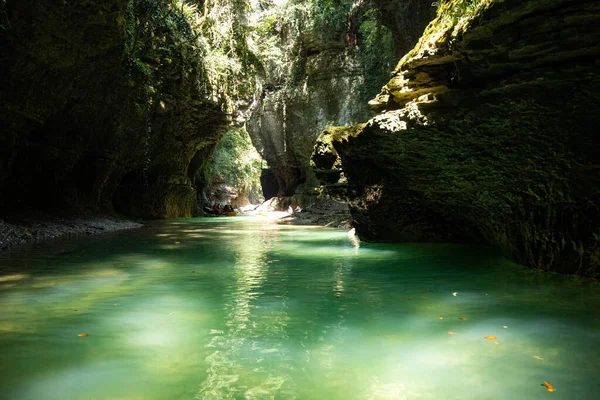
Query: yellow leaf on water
x: 462, y: 319
x: 490, y: 337
x: 496, y: 342
x: 83, y: 334
x: 549, y: 387
x: 451, y: 333
x: 538, y: 358
x: 441, y: 317
x: 505, y: 327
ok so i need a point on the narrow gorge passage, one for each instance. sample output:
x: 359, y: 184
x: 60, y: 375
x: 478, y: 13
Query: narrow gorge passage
x: 299, y: 199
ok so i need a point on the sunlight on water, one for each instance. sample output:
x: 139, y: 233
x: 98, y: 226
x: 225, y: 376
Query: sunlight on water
x: 242, y: 308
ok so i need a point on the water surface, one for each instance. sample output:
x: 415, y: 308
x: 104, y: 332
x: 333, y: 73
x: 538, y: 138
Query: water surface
x: 239, y: 308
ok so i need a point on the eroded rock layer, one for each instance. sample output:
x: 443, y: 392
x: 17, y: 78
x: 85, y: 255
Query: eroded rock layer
x: 487, y: 131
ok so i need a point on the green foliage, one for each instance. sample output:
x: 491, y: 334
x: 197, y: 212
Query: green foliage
x: 376, y: 47
x: 229, y: 64
x: 236, y: 163
x: 465, y: 7
x: 208, y: 40
x: 331, y: 17
x: 276, y: 30
x: 458, y: 12
x: 283, y: 33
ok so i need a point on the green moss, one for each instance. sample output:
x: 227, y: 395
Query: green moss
x: 503, y: 147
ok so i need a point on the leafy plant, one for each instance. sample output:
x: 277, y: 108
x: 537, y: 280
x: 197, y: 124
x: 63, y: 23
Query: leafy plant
x: 236, y: 163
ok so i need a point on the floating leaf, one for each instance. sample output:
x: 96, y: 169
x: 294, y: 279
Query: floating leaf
x: 441, y: 317
x: 462, y: 319
x: 83, y: 334
x: 538, y: 358
x: 505, y: 327
x: 496, y: 342
x: 549, y: 387
x: 451, y: 333
x: 490, y: 337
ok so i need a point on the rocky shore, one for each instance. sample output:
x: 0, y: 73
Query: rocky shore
x: 40, y: 227
x: 329, y: 213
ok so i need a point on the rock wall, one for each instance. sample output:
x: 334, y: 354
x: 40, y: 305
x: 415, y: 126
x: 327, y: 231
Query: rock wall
x: 406, y: 19
x: 487, y: 131
x: 288, y: 121
x: 102, y: 102
x: 330, y: 73
x: 117, y: 105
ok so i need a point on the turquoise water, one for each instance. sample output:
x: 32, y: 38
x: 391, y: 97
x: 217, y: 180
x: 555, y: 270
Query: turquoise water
x: 238, y: 308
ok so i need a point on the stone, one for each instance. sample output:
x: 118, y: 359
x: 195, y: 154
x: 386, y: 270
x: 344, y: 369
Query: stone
x: 493, y: 137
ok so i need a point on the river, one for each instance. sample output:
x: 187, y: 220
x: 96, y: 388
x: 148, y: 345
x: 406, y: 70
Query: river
x: 242, y: 308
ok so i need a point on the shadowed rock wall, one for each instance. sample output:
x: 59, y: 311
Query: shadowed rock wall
x: 79, y: 111
x: 487, y: 131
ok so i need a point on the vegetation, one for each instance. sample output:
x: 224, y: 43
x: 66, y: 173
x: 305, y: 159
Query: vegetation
x: 283, y: 33
x: 237, y: 164
x: 178, y: 36
x: 454, y: 15
x: 376, y: 53
x: 228, y: 47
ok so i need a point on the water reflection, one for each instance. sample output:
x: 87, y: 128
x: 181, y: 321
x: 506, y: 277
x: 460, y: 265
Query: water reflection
x: 226, y: 309
x: 253, y: 337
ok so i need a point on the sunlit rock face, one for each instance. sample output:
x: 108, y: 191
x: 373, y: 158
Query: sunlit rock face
x: 83, y: 125
x: 330, y: 76
x: 486, y: 131
x: 287, y: 122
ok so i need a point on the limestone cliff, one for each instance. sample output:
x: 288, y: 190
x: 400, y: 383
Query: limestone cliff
x: 486, y: 131
x: 110, y: 102
x: 336, y: 55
